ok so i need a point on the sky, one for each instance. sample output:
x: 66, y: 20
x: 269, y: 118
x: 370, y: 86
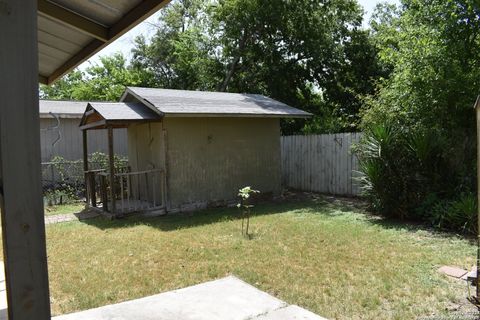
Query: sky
x: 125, y: 43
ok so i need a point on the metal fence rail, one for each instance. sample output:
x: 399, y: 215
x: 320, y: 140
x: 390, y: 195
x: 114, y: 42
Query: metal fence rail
x: 320, y: 163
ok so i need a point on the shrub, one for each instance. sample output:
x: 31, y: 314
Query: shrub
x: 458, y: 214
x: 416, y: 175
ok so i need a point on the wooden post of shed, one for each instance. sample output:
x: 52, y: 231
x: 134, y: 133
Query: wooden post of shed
x: 85, y: 165
x: 23, y: 227
x: 112, y: 169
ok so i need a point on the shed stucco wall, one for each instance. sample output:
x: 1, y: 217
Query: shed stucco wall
x: 145, y: 152
x: 145, y: 143
x: 209, y: 159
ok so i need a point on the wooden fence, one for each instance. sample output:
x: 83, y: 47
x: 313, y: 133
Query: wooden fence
x: 320, y: 163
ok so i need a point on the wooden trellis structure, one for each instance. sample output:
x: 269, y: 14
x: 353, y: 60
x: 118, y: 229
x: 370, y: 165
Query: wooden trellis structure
x: 121, y: 191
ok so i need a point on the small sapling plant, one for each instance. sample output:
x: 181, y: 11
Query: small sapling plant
x: 245, y: 206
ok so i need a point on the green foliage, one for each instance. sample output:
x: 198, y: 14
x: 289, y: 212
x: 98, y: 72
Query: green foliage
x: 386, y: 178
x: 100, y: 160
x: 244, y: 204
x: 312, y: 55
x: 433, y: 50
x: 406, y: 175
x: 99, y: 82
x: 68, y: 185
x: 245, y: 194
x: 61, y: 196
x: 458, y: 214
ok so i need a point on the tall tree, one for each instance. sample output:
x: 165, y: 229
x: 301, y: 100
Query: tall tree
x: 310, y: 54
x: 433, y: 48
x: 104, y: 81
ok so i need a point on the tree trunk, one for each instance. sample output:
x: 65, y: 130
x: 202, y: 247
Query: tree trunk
x: 233, y: 66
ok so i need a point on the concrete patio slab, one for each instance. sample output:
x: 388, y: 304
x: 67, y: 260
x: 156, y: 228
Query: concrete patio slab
x: 225, y: 299
x: 290, y: 313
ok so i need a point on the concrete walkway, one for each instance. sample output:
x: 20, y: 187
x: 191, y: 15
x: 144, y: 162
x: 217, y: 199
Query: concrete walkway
x: 226, y: 299
x: 57, y: 218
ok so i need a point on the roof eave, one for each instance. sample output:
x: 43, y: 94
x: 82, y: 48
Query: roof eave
x: 61, y: 115
x: 128, y: 90
x: 232, y: 115
x: 127, y: 22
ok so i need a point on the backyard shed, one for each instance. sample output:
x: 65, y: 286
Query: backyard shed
x: 60, y: 135
x: 190, y: 149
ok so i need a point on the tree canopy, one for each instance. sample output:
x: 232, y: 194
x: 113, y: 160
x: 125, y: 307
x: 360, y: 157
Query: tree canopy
x: 425, y: 109
x: 313, y: 55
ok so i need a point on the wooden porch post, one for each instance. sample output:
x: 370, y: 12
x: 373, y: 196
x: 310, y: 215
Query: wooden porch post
x: 112, y: 168
x: 23, y: 229
x: 85, y: 166
x: 477, y: 116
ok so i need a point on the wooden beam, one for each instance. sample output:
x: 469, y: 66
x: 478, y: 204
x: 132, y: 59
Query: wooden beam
x: 139, y: 13
x: 92, y: 125
x: 23, y: 228
x: 130, y: 20
x: 71, y: 19
x: 89, y: 113
x: 42, y: 79
x: 111, y: 158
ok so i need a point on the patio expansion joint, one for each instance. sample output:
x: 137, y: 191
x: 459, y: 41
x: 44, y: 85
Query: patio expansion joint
x: 253, y: 317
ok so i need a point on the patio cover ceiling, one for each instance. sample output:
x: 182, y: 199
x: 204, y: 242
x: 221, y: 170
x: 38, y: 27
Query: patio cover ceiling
x: 71, y: 31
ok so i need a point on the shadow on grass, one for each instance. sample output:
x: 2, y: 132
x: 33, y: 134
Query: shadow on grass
x: 194, y: 219
x: 321, y: 205
x: 415, y: 226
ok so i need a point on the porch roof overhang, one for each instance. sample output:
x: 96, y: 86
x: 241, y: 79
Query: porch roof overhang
x: 71, y: 31
x: 102, y: 115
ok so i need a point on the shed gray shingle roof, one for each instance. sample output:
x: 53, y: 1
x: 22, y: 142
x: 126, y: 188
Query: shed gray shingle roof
x: 112, y: 111
x: 200, y: 103
x: 63, y: 109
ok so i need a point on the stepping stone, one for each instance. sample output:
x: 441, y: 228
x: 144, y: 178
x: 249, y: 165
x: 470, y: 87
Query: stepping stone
x: 453, y: 271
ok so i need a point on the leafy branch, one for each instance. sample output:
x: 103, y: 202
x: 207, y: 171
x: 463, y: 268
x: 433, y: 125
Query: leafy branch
x: 244, y: 195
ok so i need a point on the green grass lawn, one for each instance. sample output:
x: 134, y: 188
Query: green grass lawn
x: 327, y: 257
x: 64, y: 209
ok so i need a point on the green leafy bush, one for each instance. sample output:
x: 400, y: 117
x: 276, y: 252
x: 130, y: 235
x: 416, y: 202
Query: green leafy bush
x: 458, y: 214
x: 405, y: 174
x: 418, y: 155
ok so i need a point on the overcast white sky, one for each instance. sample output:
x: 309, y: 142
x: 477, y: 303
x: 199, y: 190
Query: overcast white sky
x: 125, y: 43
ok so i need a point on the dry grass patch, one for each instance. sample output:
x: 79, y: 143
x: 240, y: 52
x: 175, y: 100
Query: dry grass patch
x: 329, y: 258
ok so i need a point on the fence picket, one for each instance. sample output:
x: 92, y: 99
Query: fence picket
x: 321, y: 163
